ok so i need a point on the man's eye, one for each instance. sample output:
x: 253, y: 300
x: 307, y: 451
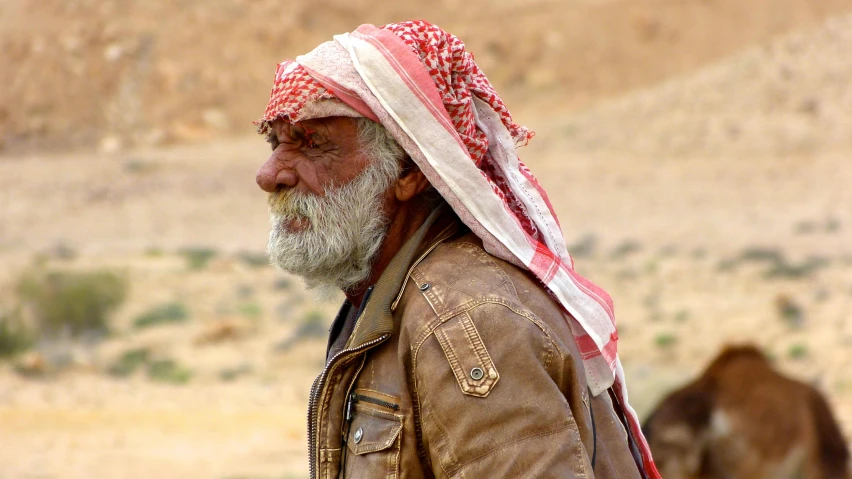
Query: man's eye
x: 315, y: 141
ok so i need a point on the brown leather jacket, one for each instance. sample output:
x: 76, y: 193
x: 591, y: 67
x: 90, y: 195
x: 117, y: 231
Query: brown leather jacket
x: 461, y: 366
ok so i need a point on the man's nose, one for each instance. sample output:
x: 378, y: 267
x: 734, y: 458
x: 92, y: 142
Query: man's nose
x: 274, y: 174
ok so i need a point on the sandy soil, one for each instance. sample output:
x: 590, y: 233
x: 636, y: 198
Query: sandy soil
x: 662, y: 203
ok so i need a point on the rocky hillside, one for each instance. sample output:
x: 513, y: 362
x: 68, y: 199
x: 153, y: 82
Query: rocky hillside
x: 110, y: 73
x: 789, y: 97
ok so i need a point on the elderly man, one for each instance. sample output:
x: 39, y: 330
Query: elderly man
x: 467, y: 346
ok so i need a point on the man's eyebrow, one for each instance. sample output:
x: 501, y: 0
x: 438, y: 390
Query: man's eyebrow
x: 312, y: 123
x: 314, y: 126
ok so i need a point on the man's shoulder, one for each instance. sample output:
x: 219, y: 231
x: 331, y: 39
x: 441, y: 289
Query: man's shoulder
x: 481, y: 310
x: 459, y: 275
x: 460, y: 271
x: 458, y: 278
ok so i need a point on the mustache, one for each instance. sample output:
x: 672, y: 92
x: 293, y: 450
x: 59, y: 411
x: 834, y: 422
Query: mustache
x: 293, y: 204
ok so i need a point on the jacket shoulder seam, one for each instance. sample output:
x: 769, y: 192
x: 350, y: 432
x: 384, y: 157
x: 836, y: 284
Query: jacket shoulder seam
x: 492, y: 263
x: 430, y: 328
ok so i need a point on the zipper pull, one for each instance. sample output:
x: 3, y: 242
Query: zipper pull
x: 350, y: 406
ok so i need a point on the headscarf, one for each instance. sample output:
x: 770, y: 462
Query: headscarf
x: 421, y: 84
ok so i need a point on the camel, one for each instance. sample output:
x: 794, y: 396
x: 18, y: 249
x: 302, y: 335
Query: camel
x: 741, y: 419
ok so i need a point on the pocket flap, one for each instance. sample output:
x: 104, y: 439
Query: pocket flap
x: 471, y: 364
x: 372, y: 430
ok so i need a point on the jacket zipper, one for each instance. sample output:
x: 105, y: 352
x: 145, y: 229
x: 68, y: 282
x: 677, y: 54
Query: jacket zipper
x: 313, y: 411
x: 347, y: 418
x: 355, y: 397
x: 316, y: 389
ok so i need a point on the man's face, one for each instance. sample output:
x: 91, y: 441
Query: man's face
x: 327, y: 201
x: 312, y: 156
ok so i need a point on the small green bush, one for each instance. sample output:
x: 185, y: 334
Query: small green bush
x: 254, y: 260
x: 168, y: 371
x: 753, y: 254
x: 168, y: 313
x: 625, y: 249
x: 652, y: 300
x: 783, y: 269
x: 728, y: 264
x: 832, y: 225
x: 789, y: 311
x: 585, y: 247
x: 139, y: 165
x: 63, y: 251
x: 233, y: 373
x: 129, y: 362
x: 652, y: 266
x: 313, y: 326
x: 245, y: 291
x: 798, y: 351
x: 250, y: 309
x: 197, y: 257
x: 759, y: 253
x: 14, y: 336
x: 72, y: 303
x: 665, y: 340
x: 805, y: 227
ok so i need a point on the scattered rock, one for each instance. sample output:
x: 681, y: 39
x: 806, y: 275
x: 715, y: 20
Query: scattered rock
x: 789, y: 311
x: 32, y: 364
x: 215, y: 118
x: 113, y: 52
x: 110, y: 144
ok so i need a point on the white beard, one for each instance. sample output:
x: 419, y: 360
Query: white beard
x: 342, y: 235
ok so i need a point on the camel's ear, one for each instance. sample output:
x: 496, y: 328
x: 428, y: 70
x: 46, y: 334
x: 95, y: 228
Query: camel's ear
x: 410, y: 185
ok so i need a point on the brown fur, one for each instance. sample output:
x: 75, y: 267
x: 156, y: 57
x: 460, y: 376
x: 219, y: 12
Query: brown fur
x: 743, y: 420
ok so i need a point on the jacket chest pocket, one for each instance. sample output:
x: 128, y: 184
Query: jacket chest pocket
x: 373, y: 443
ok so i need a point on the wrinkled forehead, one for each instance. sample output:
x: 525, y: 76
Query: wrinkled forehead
x: 337, y: 128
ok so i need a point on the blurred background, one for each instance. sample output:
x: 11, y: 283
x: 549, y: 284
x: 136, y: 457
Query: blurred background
x: 695, y: 150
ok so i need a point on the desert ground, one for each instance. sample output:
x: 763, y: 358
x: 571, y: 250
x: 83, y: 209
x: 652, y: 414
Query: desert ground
x: 695, y: 152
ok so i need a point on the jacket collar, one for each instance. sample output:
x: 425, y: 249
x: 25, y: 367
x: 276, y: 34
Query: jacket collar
x: 376, y: 320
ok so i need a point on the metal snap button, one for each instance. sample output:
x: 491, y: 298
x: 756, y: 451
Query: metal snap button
x: 476, y: 374
x: 359, y: 434
x: 425, y: 286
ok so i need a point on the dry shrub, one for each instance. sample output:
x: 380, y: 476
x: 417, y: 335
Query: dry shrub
x: 168, y: 371
x: 14, y: 336
x: 72, y: 303
x: 130, y: 361
x: 197, y: 257
x: 168, y: 313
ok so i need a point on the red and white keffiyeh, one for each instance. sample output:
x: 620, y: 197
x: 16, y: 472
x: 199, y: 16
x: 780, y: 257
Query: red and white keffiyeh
x: 425, y: 88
